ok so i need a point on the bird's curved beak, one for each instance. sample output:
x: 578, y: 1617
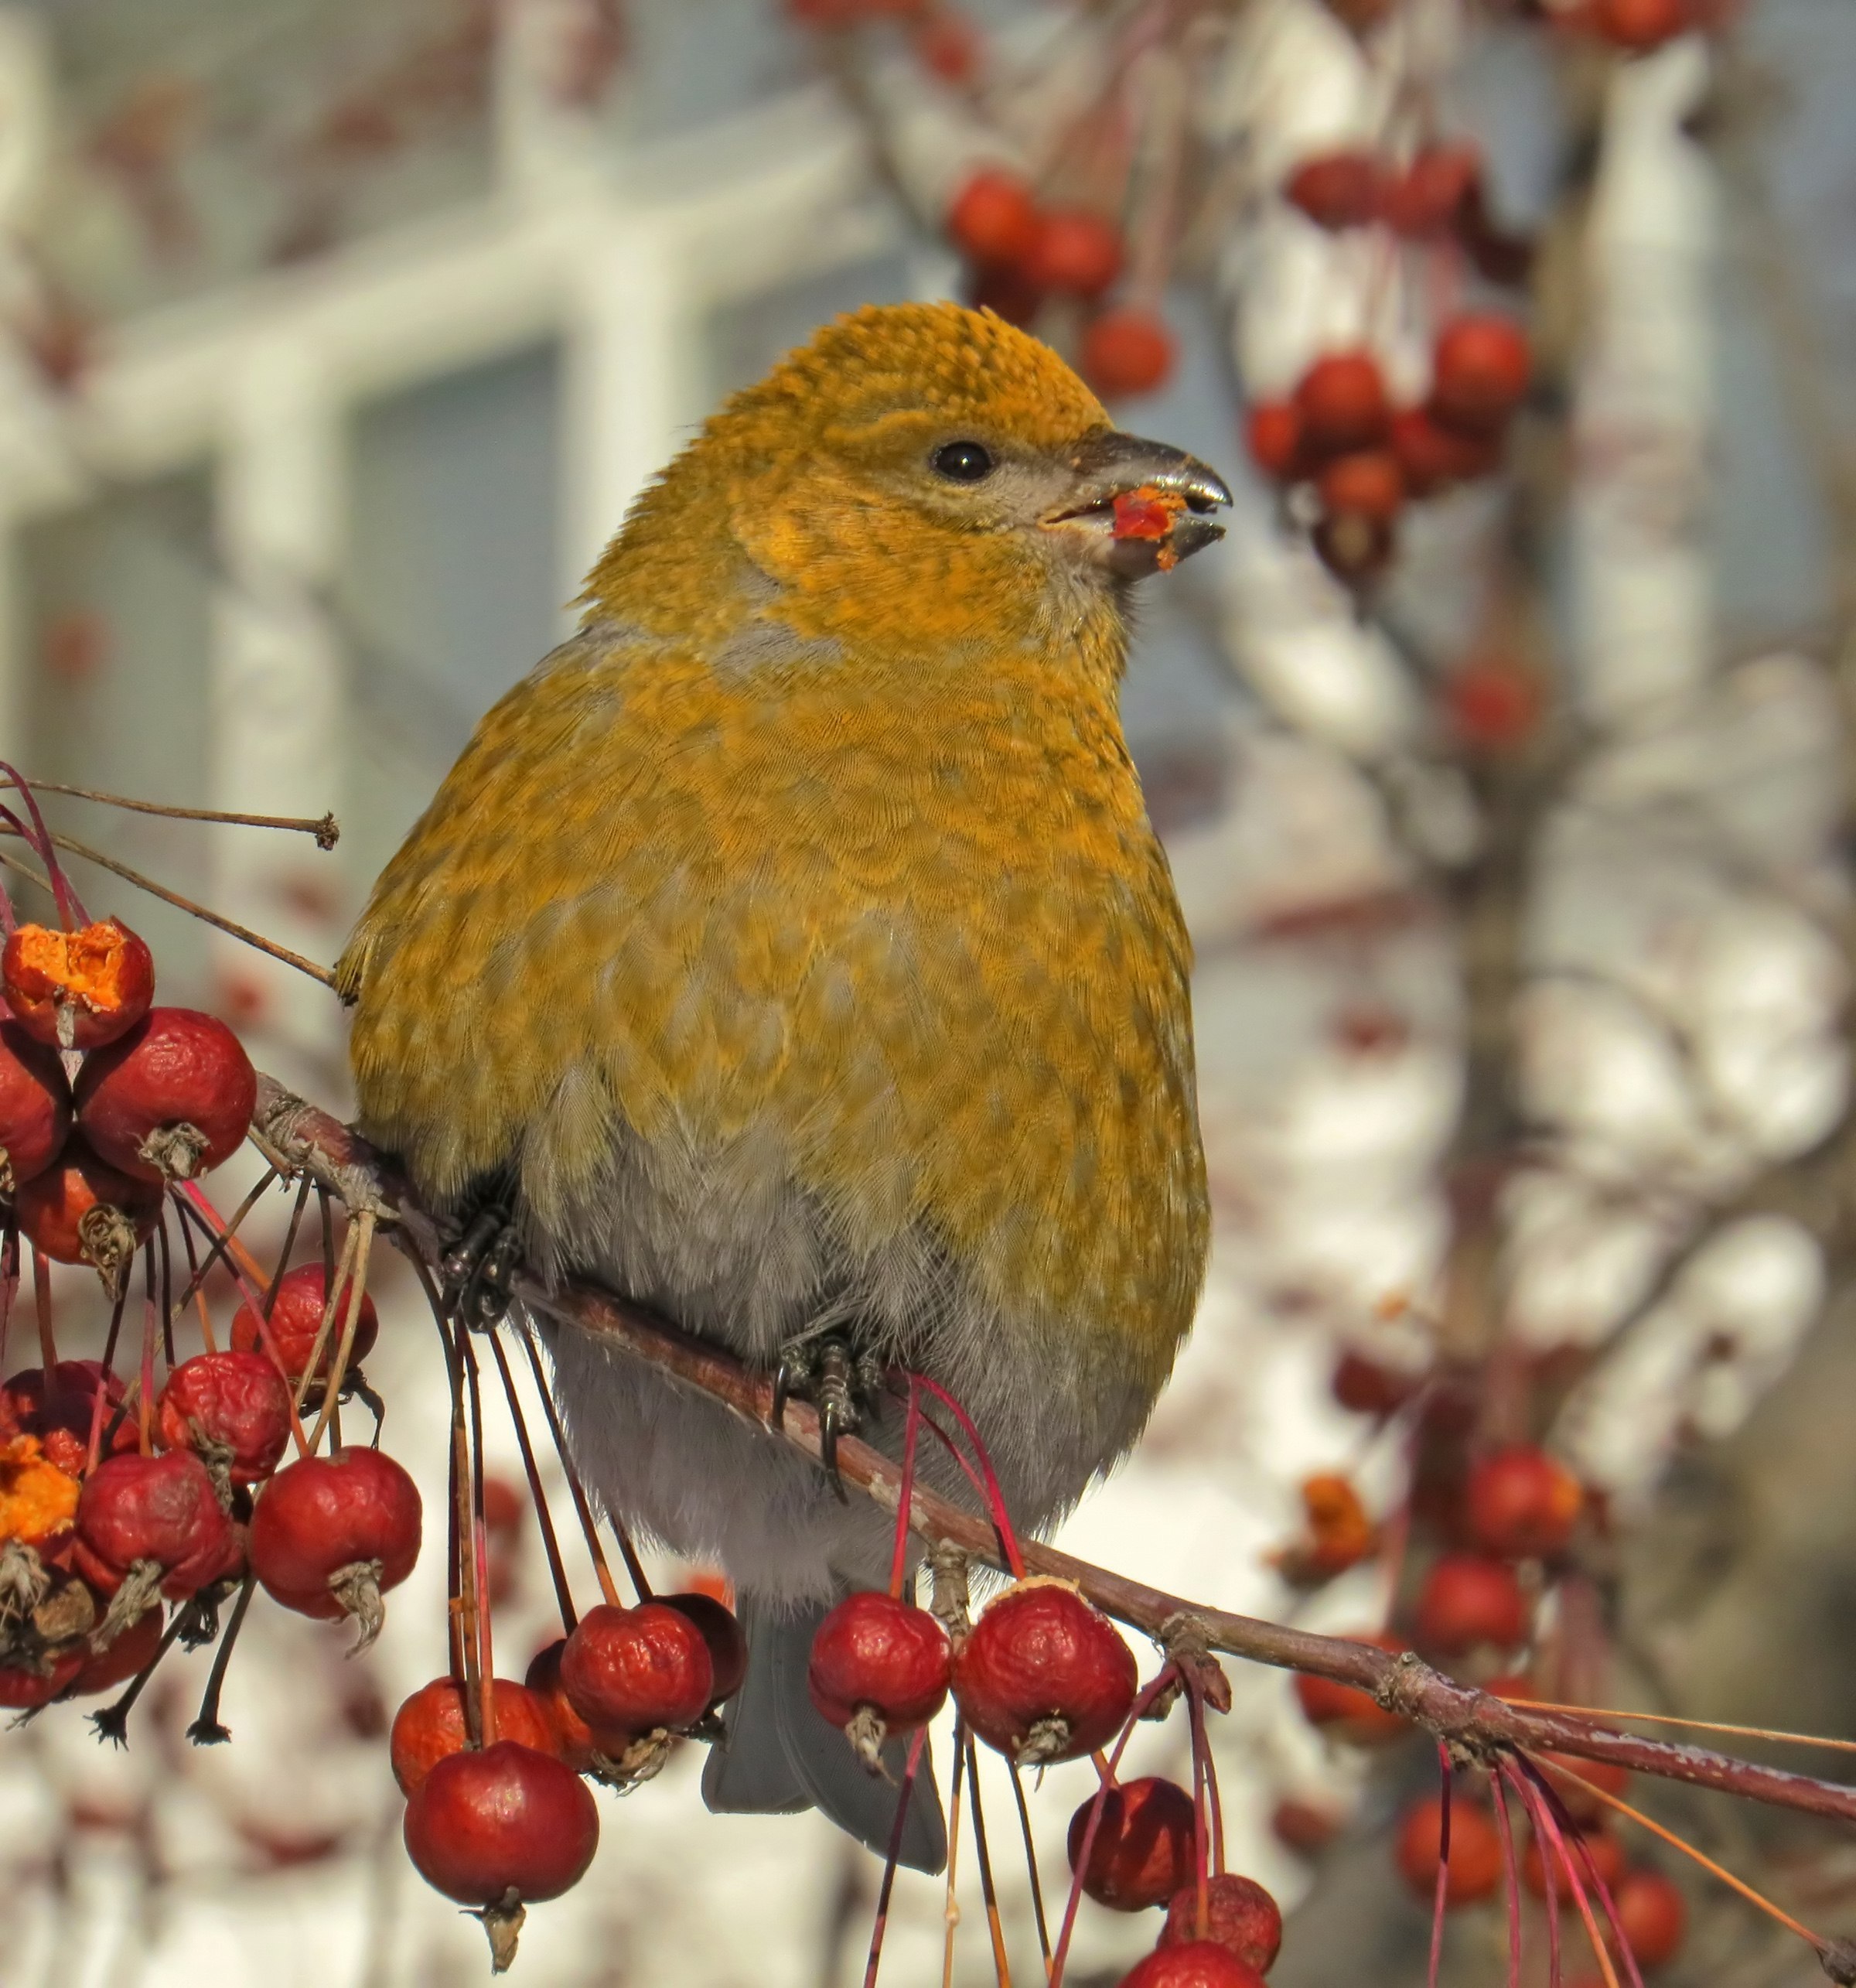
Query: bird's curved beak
x: 1137, y: 507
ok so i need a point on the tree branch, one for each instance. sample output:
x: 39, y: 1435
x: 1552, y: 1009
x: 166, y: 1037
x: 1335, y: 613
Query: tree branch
x: 294, y: 1136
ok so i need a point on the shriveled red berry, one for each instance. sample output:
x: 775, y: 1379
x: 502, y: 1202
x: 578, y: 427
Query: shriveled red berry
x: 331, y: 1535
x: 1493, y: 703
x: 993, y: 219
x: 1480, y: 371
x: 1520, y: 1503
x: 1307, y: 1827
x: 82, y: 1210
x: 296, y: 1317
x: 24, y: 1690
x: 1196, y: 1964
x: 637, y: 1670
x: 1240, y: 1917
x: 161, y: 1510
x: 62, y: 1412
x: 170, y: 1098
x: 1475, y: 1850
x: 1351, y: 1714
x: 1076, y: 251
x: 1272, y: 431
x: 485, y: 1823
x: 1637, y: 26
x: 1366, y: 484
x: 1342, y: 400
x: 574, y: 1740
x: 720, y: 1630
x: 77, y: 990
x: 1468, y: 1601
x: 38, y: 1498
x: 35, y: 1106
x: 229, y: 1407
x: 1337, y: 190
x: 1602, y: 1847
x: 1044, y: 1676
x: 1434, y: 455
x: 1368, y: 1387
x: 1431, y: 195
x: 1143, y: 1848
x: 130, y: 1651
x: 1128, y: 351
x: 431, y: 1726
x: 1652, y: 1916
x: 874, y: 1650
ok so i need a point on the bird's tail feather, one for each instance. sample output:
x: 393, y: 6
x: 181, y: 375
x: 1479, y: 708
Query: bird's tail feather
x: 778, y: 1756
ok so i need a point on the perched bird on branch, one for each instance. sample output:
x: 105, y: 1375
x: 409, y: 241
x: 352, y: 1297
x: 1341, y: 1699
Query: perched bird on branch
x: 791, y: 952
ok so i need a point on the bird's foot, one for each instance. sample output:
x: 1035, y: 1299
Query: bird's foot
x: 842, y: 1381
x: 478, y: 1271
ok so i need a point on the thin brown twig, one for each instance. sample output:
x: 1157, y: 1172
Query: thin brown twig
x: 327, y: 831
x: 1469, y: 1719
x: 72, y: 847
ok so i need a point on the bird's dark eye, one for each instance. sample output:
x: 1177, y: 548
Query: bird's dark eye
x: 964, y: 462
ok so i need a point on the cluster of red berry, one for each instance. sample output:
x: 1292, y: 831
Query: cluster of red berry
x: 162, y: 1094
x: 1338, y: 438
x: 1438, y: 195
x: 1023, y: 254
x: 1505, y: 1522
x: 114, y: 1498
x: 1043, y: 1676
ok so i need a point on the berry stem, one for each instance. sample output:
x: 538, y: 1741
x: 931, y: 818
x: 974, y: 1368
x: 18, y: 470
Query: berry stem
x: 550, y: 1544
x: 950, y: 1908
x: 71, y: 907
x: 9, y: 1281
x: 1559, y: 1769
x: 334, y: 1290
x: 361, y: 1237
x: 327, y: 831
x: 608, y: 1588
x: 895, y: 1851
x: 112, y: 1722
x: 1202, y: 1750
x: 1002, y: 1967
x: 905, y: 1503
x: 957, y: 1453
x: 197, y: 1270
x: 1553, y: 1847
x: 1511, y: 1884
x: 1688, y: 1725
x: 1570, y: 1835
x: 1031, y: 1864
x: 1164, y: 1679
x: 206, y: 1731
x: 480, y: 1553
x: 144, y: 1409
x: 463, y: 1570
x: 1441, y: 1895
x: 100, y: 1398
x: 41, y: 1305
x: 242, y: 932
x: 995, y: 1497
x: 190, y: 1201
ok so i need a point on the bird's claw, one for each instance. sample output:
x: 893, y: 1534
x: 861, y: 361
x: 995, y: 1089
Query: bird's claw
x: 841, y: 1381
x: 479, y: 1270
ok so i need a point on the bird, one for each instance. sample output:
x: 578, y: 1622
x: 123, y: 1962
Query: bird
x: 791, y: 952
